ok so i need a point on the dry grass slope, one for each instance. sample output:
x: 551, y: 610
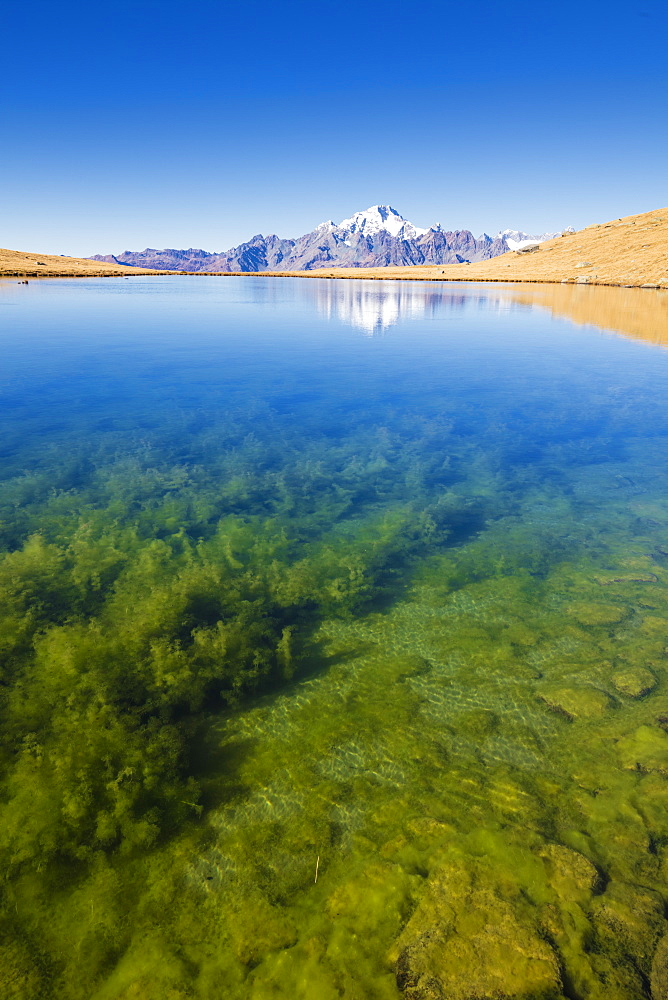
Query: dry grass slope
x: 16, y: 263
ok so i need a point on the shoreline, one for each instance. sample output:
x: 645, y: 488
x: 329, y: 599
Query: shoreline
x: 359, y: 275
x: 350, y: 275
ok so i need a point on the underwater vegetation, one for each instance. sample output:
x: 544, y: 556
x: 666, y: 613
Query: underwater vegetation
x: 306, y: 699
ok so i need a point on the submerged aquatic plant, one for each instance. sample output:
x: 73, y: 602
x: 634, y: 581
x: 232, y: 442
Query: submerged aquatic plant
x: 334, y: 700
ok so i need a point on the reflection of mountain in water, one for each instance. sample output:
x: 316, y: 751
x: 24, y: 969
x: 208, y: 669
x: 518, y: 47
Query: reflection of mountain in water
x: 375, y: 306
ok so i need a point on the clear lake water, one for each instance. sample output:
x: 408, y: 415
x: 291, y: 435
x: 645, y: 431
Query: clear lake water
x: 334, y: 638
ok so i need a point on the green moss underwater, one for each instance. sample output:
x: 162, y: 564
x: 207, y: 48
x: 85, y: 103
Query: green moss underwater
x: 307, y: 702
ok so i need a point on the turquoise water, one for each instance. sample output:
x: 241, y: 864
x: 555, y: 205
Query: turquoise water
x: 334, y: 625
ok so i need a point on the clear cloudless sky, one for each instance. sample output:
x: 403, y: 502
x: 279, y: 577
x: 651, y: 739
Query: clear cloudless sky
x: 198, y: 124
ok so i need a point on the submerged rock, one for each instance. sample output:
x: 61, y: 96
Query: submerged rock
x: 629, y: 921
x: 569, y: 870
x: 259, y: 928
x: 654, y: 625
x: 576, y: 702
x: 646, y: 749
x: 634, y: 682
x: 375, y: 901
x: 593, y: 613
x: 469, y: 939
x: 608, y: 579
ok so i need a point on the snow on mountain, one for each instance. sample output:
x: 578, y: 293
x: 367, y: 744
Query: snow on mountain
x: 379, y: 218
x: 384, y: 218
x: 521, y: 244
x: 517, y: 240
x: 517, y: 236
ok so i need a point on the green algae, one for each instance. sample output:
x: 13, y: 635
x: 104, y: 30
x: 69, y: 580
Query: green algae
x: 424, y: 750
x: 398, y: 658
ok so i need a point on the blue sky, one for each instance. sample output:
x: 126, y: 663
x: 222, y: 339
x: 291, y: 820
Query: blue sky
x: 165, y: 124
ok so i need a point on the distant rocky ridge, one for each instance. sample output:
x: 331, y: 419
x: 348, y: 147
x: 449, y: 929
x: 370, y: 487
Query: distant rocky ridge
x: 376, y: 237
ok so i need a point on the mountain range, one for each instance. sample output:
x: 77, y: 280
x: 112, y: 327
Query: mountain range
x: 377, y: 237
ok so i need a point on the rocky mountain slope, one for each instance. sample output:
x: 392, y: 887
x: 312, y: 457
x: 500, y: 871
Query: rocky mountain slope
x: 377, y: 237
x: 630, y: 251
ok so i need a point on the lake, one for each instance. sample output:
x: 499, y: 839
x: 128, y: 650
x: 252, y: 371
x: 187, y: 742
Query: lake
x: 334, y: 630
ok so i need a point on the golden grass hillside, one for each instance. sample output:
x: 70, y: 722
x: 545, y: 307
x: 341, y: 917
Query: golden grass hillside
x: 19, y: 264
x: 632, y: 251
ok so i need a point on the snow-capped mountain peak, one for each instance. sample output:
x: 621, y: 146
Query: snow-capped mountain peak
x: 376, y: 237
x: 378, y: 218
x: 516, y: 236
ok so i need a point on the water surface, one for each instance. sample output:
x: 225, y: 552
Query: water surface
x: 362, y: 580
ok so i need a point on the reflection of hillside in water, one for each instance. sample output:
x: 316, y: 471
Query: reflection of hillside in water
x: 373, y: 306
x: 641, y: 313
